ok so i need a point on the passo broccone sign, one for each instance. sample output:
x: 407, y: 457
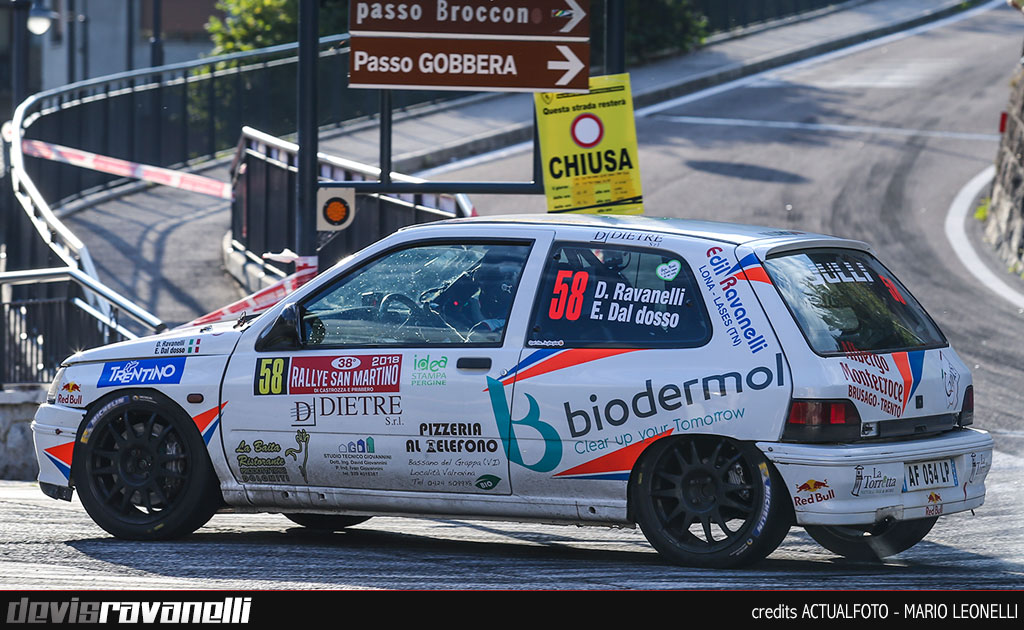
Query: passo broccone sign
x: 589, y: 150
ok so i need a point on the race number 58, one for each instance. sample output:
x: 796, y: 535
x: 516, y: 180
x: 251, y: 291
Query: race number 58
x: 568, y: 295
x: 270, y: 373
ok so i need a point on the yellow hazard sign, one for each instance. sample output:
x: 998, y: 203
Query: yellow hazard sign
x: 588, y: 146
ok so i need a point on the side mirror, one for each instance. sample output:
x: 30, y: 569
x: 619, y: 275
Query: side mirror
x: 284, y: 334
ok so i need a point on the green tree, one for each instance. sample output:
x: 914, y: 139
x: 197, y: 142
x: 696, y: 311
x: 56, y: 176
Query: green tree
x: 250, y: 24
x: 654, y: 28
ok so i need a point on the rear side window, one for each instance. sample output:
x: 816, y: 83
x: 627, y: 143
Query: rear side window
x: 617, y: 297
x: 845, y: 301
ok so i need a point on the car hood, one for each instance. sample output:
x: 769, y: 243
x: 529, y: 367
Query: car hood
x: 208, y: 340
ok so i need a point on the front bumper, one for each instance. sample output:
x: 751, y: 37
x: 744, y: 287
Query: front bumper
x: 861, y: 484
x: 53, y: 432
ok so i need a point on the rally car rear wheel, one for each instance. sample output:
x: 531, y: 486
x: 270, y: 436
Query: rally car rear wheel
x: 709, y: 501
x: 141, y: 469
x: 326, y: 522
x: 872, y: 542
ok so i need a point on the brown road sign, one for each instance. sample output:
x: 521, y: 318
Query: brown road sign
x: 469, y: 64
x: 518, y: 19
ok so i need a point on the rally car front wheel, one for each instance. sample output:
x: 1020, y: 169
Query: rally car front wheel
x: 142, y: 470
x: 709, y: 501
x: 872, y: 542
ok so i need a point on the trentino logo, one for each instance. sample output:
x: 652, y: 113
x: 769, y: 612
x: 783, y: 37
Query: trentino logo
x: 142, y: 372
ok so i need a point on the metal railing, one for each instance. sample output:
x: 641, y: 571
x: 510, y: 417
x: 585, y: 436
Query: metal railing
x: 183, y: 114
x: 39, y: 333
x: 263, y: 211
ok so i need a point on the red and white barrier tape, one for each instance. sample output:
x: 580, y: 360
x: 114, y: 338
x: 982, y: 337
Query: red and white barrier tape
x: 306, y: 270
x: 124, y: 168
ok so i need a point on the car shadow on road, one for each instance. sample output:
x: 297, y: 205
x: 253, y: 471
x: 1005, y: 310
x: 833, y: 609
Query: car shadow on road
x: 470, y: 555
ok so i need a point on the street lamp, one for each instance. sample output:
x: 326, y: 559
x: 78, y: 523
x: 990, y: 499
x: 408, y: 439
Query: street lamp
x: 40, y: 18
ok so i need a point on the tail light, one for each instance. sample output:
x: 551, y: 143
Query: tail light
x: 822, y: 421
x: 967, y: 411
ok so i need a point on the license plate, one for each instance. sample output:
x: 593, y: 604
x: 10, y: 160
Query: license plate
x: 938, y: 473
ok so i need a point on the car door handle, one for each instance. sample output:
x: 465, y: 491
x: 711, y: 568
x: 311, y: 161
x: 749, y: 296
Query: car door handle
x: 474, y: 363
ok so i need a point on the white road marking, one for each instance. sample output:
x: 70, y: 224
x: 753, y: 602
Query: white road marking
x: 955, y: 233
x: 781, y: 124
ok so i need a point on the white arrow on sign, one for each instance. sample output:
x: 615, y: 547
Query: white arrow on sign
x: 572, y: 65
x: 577, y: 15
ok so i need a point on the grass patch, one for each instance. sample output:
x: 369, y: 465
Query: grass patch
x: 981, y: 212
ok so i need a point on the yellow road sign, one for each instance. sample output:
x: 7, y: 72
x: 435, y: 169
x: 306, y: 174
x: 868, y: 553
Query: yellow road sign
x: 588, y: 146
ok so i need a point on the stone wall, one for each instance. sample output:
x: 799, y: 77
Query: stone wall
x: 17, y: 453
x: 1004, y: 226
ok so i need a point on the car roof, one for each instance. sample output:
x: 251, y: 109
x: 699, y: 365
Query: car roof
x: 770, y: 238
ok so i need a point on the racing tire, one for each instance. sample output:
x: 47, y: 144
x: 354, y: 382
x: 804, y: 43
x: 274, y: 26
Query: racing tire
x: 142, y: 469
x: 874, y: 542
x: 326, y: 522
x: 709, y: 501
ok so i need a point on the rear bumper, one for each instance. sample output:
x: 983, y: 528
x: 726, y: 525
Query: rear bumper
x: 864, y: 484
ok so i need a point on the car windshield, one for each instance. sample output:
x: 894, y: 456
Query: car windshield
x: 846, y: 301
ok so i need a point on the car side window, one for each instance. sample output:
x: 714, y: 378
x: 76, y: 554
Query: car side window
x: 618, y: 297
x: 450, y: 293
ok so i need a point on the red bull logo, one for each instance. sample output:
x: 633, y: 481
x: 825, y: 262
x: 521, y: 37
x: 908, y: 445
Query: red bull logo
x: 812, y: 487
x: 934, y: 507
x: 934, y: 497
x: 70, y: 394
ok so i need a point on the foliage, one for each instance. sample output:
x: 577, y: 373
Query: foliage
x: 981, y: 212
x: 250, y: 24
x: 654, y: 28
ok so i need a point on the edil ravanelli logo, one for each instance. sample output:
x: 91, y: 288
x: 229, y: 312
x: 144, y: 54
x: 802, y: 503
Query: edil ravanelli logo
x: 428, y: 370
x: 507, y: 429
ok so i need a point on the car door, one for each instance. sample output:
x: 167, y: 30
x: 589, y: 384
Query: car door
x: 388, y: 388
x: 623, y: 348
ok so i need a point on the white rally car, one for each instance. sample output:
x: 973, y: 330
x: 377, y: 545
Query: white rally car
x: 713, y: 383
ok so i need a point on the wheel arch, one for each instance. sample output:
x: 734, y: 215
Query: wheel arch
x: 649, y: 449
x: 96, y: 408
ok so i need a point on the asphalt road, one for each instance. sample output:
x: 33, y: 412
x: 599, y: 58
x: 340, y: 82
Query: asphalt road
x: 875, y: 146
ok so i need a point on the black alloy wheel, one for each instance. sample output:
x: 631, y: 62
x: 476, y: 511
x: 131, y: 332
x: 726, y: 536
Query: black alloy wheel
x: 709, y: 501
x: 142, y: 471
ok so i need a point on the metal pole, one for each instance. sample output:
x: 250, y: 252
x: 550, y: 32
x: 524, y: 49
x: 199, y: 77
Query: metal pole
x: 306, y: 180
x: 385, y: 137
x: 84, y: 19
x: 19, y: 52
x: 156, y: 45
x: 130, y: 37
x: 615, y: 36
x: 72, y: 18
